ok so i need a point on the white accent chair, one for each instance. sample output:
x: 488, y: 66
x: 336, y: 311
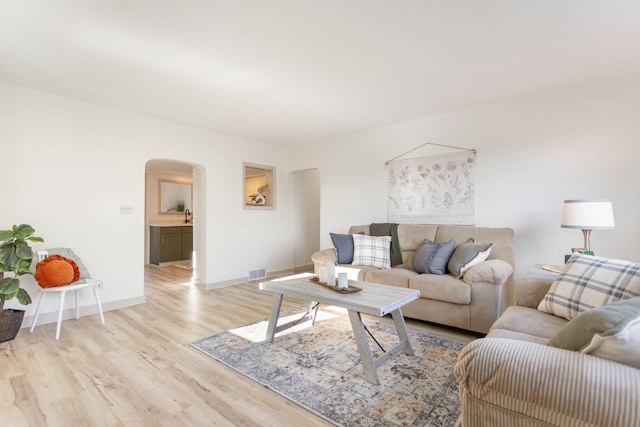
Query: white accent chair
x: 85, y: 281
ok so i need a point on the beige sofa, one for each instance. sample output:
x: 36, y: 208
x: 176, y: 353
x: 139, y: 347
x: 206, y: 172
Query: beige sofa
x: 511, y: 378
x: 473, y: 302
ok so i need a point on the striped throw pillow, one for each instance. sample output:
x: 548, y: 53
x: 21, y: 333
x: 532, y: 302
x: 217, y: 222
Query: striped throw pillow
x: 589, y: 281
x: 372, y: 251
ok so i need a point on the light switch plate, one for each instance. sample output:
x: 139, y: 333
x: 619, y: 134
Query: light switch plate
x: 126, y: 209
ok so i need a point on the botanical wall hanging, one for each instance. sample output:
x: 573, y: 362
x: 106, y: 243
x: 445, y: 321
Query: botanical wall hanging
x: 432, y: 190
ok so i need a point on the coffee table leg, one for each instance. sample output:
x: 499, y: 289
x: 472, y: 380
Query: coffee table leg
x: 314, y: 306
x: 363, y: 347
x: 273, y: 318
x: 401, y: 329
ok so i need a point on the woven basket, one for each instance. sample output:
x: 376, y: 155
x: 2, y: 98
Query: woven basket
x: 10, y: 322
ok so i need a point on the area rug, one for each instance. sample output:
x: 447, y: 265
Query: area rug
x: 318, y: 368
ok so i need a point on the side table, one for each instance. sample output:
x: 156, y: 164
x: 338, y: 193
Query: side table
x: 548, y: 272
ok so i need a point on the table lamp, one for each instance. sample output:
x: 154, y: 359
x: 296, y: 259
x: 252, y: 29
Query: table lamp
x: 587, y: 214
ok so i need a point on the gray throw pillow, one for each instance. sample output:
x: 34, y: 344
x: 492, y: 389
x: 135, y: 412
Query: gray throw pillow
x: 467, y: 255
x: 610, y: 318
x: 438, y: 261
x: 423, y: 255
x: 344, y: 247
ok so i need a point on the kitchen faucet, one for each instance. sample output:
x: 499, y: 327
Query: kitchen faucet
x: 187, y: 212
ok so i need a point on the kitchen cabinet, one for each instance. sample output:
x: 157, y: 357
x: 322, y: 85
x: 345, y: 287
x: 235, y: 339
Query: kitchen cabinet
x: 170, y: 243
x: 187, y: 242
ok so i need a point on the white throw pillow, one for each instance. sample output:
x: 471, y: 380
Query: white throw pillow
x: 372, y: 251
x: 589, y: 281
x: 621, y: 346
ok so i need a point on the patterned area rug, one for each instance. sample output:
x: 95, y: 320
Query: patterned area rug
x: 318, y: 367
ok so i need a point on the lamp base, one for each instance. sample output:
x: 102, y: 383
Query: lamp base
x: 574, y: 250
x: 587, y: 238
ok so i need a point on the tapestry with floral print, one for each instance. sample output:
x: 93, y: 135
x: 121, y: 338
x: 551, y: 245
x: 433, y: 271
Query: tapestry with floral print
x: 432, y: 190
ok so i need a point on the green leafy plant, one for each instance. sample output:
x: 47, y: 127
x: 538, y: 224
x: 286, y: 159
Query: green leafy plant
x: 15, y: 257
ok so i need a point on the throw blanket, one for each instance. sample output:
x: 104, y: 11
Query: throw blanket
x: 388, y: 229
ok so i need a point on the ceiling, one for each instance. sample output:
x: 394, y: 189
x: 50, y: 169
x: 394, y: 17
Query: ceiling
x: 296, y: 71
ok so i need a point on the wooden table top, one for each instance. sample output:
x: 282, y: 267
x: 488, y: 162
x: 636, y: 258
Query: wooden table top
x: 374, y: 299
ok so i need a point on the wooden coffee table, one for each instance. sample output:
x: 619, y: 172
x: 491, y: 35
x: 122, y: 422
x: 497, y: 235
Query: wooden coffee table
x: 373, y: 299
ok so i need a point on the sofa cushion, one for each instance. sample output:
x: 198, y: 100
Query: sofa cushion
x: 344, y: 247
x: 620, y: 344
x: 588, y: 281
x: 513, y: 335
x: 360, y: 229
x: 529, y: 321
x: 422, y: 256
x: 355, y: 272
x: 502, y: 238
x: 438, y: 262
x: 372, y: 251
x: 605, y: 320
x: 466, y: 255
x: 441, y: 288
x: 411, y: 236
x: 394, y: 276
x: 494, y: 271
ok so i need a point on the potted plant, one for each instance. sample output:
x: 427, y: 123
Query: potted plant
x: 15, y: 258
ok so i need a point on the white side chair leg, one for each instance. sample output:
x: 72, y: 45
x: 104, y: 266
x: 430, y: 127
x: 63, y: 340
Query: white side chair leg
x: 62, y: 294
x: 95, y: 292
x: 75, y: 296
x: 35, y: 317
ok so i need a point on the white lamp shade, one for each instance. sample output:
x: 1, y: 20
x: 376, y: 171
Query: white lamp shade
x: 587, y: 214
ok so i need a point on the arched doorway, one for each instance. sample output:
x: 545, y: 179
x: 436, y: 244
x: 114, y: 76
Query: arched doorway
x: 164, y: 179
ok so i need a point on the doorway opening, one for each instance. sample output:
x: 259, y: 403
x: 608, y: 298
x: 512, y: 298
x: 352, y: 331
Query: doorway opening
x: 305, y: 202
x: 175, y: 213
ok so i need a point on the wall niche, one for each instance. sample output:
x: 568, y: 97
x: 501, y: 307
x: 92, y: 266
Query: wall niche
x: 259, y: 190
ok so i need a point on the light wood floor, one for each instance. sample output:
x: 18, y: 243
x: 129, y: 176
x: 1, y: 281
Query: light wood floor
x: 139, y: 369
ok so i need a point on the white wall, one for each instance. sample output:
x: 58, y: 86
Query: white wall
x: 533, y: 152
x: 69, y: 165
x: 305, y: 215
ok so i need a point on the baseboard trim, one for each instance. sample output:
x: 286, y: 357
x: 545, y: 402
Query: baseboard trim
x: 270, y: 274
x: 86, y: 310
x: 308, y: 268
x: 224, y: 283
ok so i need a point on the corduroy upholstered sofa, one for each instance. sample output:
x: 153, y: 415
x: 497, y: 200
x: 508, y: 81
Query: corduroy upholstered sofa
x: 512, y: 378
x: 472, y: 302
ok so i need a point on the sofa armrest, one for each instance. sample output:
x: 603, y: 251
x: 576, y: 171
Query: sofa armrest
x: 513, y: 382
x: 324, y: 257
x: 494, y: 271
x: 530, y: 291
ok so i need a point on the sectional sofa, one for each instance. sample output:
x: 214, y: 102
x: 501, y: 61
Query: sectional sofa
x: 472, y: 302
